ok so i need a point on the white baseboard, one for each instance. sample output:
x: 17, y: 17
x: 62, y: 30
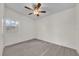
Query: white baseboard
x: 58, y: 43
x: 15, y: 42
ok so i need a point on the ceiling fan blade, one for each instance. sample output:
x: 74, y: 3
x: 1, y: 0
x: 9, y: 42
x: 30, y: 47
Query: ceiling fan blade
x: 42, y: 11
x: 30, y: 13
x: 28, y: 8
x: 38, y: 5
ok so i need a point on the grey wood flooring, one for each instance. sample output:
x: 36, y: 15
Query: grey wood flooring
x: 37, y: 47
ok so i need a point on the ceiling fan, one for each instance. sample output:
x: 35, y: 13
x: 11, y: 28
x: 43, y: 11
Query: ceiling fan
x: 36, y: 9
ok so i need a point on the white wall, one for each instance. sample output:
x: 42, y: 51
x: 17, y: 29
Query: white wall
x: 58, y: 28
x: 1, y: 33
x: 25, y: 28
x: 77, y: 27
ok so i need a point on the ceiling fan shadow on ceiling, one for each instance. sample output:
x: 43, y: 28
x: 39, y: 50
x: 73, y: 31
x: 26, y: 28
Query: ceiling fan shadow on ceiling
x: 36, y: 9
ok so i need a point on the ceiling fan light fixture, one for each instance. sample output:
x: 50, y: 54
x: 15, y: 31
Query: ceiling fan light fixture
x: 36, y: 9
x: 36, y: 12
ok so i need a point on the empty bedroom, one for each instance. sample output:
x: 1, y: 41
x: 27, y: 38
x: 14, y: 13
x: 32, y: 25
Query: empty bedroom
x: 39, y: 29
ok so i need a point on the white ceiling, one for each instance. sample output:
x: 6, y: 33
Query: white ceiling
x: 50, y: 8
